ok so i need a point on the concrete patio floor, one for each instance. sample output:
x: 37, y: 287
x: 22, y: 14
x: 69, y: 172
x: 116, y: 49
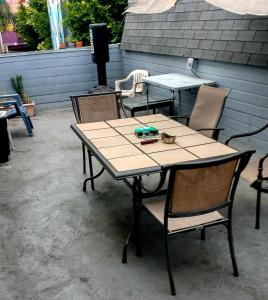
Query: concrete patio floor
x: 59, y: 243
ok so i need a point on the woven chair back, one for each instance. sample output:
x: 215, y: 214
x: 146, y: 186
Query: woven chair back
x: 208, y: 108
x: 202, y: 188
x: 97, y: 107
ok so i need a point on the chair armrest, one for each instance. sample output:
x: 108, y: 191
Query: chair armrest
x: 16, y: 96
x: 260, y: 167
x: 119, y: 81
x: 246, y: 134
x: 215, y: 134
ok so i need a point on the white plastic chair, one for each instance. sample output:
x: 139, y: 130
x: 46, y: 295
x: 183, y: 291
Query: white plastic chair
x: 137, y: 85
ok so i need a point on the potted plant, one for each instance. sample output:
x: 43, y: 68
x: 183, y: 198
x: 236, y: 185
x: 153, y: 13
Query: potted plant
x: 17, y: 83
x: 70, y: 41
x: 79, y: 43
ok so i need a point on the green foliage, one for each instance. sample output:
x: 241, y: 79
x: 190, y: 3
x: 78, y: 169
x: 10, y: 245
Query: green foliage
x: 17, y: 83
x: 6, y: 16
x: 32, y: 25
x: 79, y: 14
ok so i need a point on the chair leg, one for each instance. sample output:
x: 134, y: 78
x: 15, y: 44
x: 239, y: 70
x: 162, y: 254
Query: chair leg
x: 30, y: 121
x: 258, y: 210
x: 27, y: 124
x: 170, y: 275
x: 203, y: 234
x: 91, y: 170
x: 84, y: 158
x: 231, y: 246
x: 127, y: 242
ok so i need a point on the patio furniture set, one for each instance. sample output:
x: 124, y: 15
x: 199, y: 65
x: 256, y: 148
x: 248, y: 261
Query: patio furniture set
x: 198, y: 174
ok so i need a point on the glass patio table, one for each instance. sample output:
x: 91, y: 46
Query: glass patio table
x: 176, y: 83
x: 120, y: 152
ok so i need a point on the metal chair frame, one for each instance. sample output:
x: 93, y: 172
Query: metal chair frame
x: 138, y: 195
x: 77, y: 113
x: 216, y: 131
x: 19, y: 110
x: 259, y: 183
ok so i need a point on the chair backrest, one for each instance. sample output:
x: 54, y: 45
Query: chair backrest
x: 208, y: 108
x: 138, y: 75
x: 204, y: 186
x: 96, y: 107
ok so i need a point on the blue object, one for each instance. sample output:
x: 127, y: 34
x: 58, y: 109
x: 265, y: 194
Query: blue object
x: 19, y: 110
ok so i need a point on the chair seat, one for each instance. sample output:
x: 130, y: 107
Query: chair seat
x: 180, y: 224
x: 11, y: 113
x: 251, y: 171
x: 125, y: 93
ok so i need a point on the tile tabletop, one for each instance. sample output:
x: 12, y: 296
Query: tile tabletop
x: 92, y: 126
x: 210, y: 150
x: 132, y: 163
x: 121, y: 149
x: 152, y: 118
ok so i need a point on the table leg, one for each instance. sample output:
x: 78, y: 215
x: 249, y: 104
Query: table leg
x: 179, y: 102
x: 147, y: 97
x: 135, y: 231
x: 91, y: 179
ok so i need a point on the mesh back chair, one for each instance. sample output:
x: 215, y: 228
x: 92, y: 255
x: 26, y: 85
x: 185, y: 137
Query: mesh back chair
x: 94, y: 108
x: 136, y: 76
x: 196, y: 192
x: 207, y: 110
x: 256, y: 173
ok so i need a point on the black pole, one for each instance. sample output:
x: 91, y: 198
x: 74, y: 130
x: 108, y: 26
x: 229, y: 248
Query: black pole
x: 101, y: 67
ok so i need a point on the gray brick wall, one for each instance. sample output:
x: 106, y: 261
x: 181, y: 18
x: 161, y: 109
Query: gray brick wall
x: 198, y: 29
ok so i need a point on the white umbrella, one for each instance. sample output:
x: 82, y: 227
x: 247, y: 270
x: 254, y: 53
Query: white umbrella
x: 149, y: 6
x: 242, y: 7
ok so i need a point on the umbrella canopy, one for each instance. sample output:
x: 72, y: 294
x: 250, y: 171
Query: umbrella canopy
x: 242, y: 7
x: 149, y: 6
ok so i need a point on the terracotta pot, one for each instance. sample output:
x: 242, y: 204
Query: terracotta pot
x: 30, y: 107
x: 79, y: 44
x: 62, y: 46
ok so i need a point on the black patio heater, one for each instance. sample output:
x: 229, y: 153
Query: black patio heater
x: 100, y: 53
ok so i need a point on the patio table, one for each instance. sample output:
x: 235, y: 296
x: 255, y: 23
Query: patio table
x: 120, y: 152
x: 176, y: 82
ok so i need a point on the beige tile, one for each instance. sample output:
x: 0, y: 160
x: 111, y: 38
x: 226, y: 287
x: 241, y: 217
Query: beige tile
x: 91, y: 134
x: 133, y: 138
x: 165, y: 124
x: 152, y: 118
x: 193, y: 140
x: 179, y: 131
x: 92, y: 126
x: 119, y: 151
x: 132, y: 162
x: 110, y: 141
x: 172, y: 156
x: 157, y: 147
x: 127, y: 129
x: 123, y: 122
x: 210, y: 150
